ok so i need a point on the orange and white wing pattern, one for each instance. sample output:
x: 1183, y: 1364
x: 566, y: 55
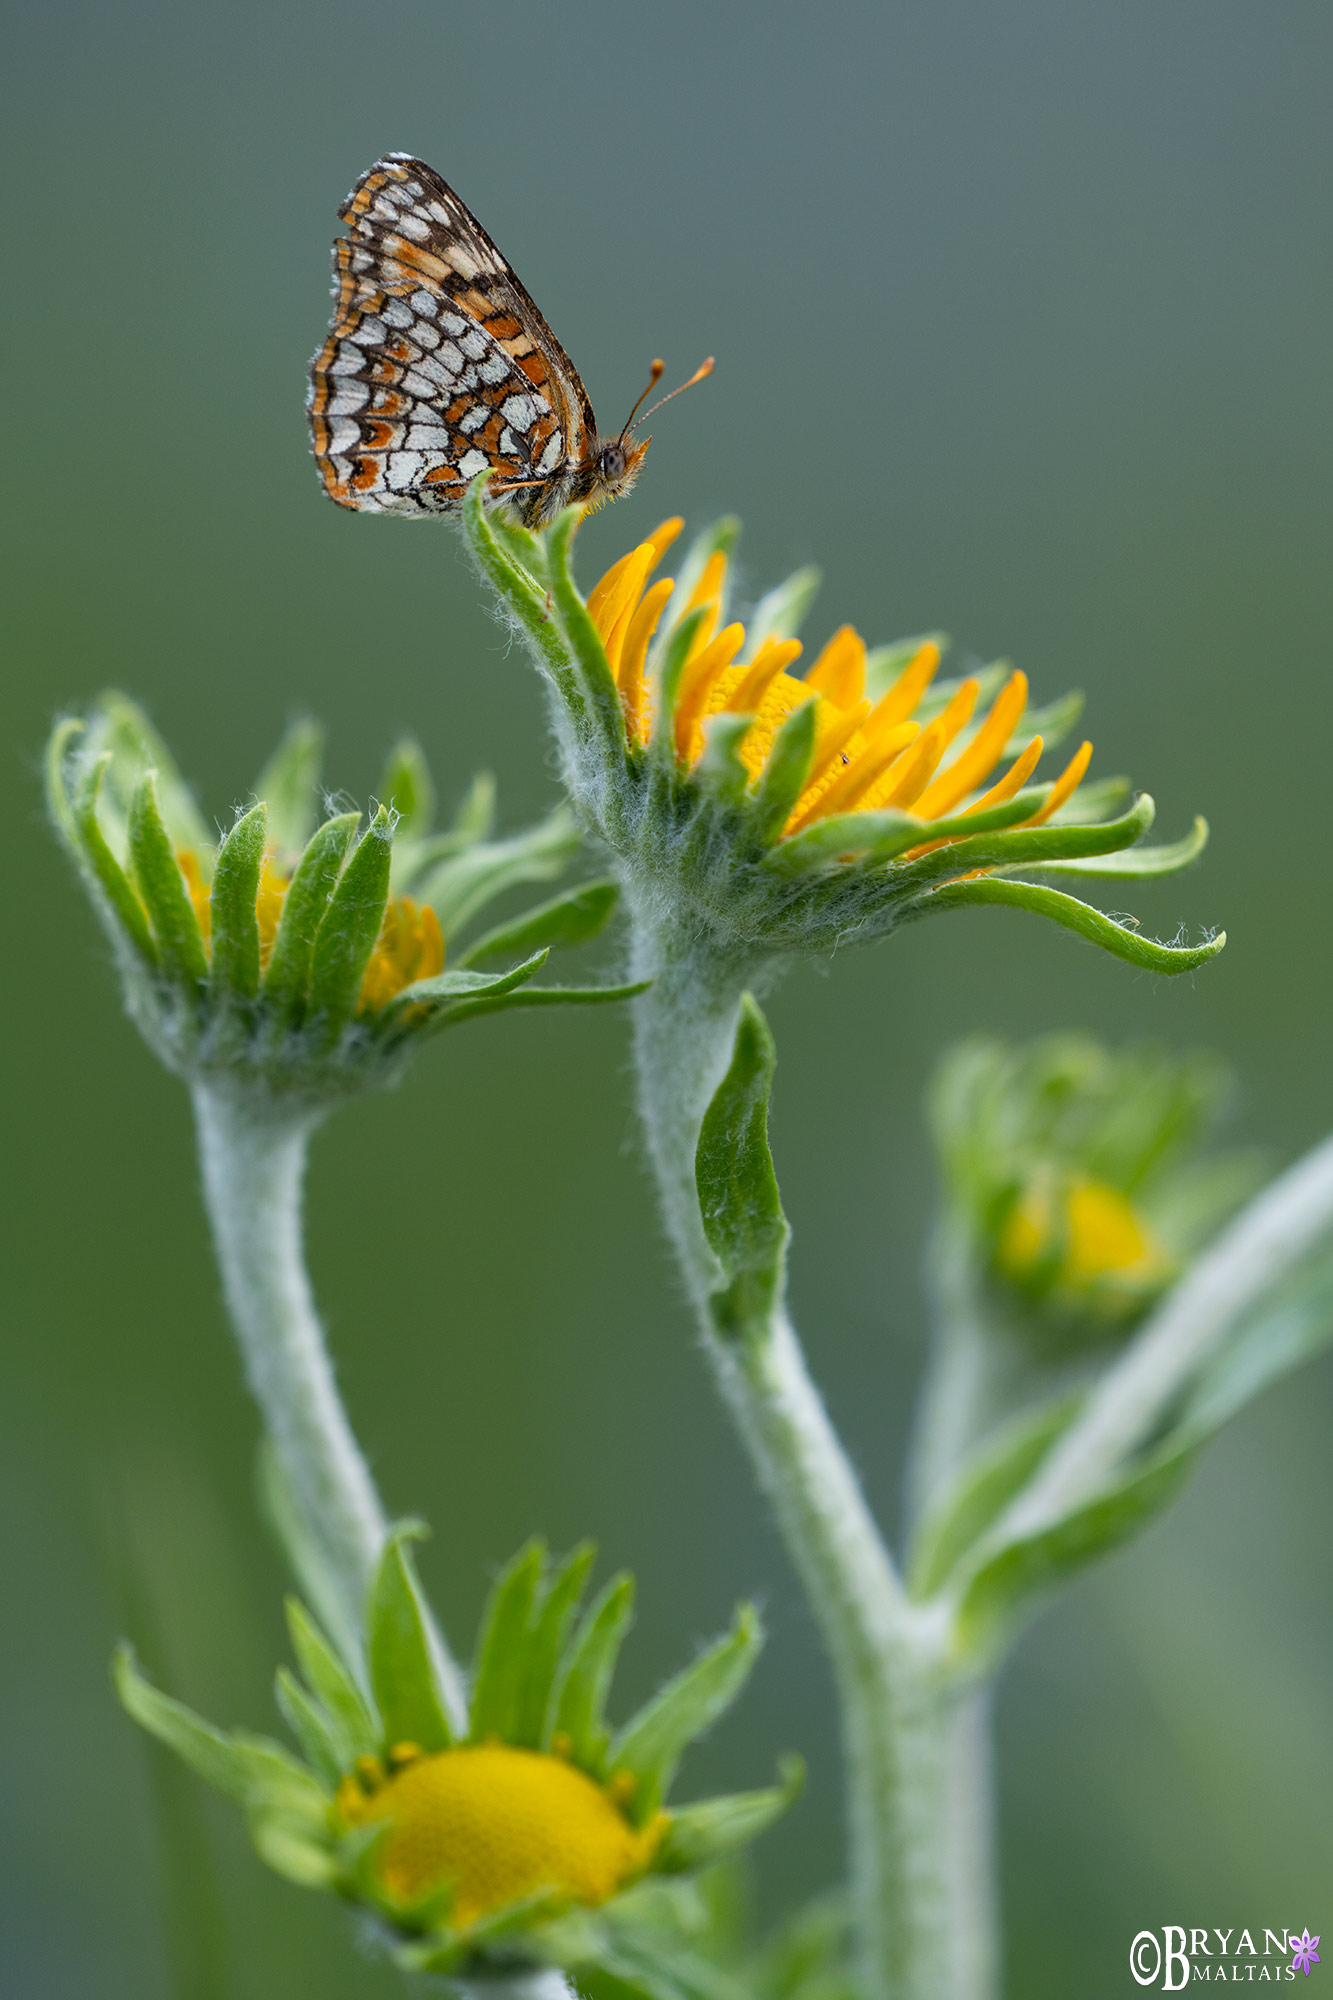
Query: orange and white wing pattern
x: 437, y: 364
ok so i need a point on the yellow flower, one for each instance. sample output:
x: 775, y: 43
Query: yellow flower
x: 410, y: 944
x: 1092, y: 1228
x: 497, y: 1824
x: 868, y: 755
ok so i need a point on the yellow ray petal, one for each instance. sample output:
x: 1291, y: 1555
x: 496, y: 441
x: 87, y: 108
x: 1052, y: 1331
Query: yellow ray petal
x: 850, y: 789
x: 1065, y: 785
x: 697, y: 681
x: 839, y: 674
x: 982, y: 754
x: 619, y: 602
x: 910, y: 685
x: 634, y: 652
x: 773, y: 658
x: 835, y: 733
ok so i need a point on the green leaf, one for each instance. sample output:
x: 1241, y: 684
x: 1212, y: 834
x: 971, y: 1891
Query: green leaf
x: 404, y: 1672
x: 651, y: 1745
x: 288, y: 785
x: 310, y: 1561
x: 235, y: 972
x: 248, y: 1769
x: 566, y: 920
x: 781, y: 614
x: 354, y: 1729
x: 310, y: 1726
x: 1003, y: 1587
x: 503, y: 1648
x: 785, y: 775
x: 554, y: 1615
x: 739, y: 1201
x: 76, y: 820
x: 1135, y: 865
x: 599, y: 683
x: 1075, y: 916
x: 350, y: 929
x: 985, y: 1485
x: 407, y: 788
x: 700, y: 1835
x: 162, y: 886
x: 584, y: 1679
x: 287, y: 979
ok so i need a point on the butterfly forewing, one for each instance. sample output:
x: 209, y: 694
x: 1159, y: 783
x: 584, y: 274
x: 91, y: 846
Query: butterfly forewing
x: 437, y: 366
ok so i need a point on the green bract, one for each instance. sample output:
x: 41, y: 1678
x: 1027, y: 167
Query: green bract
x: 512, y: 1832
x: 721, y: 820
x: 306, y: 953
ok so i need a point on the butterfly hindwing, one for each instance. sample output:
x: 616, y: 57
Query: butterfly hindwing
x: 437, y: 365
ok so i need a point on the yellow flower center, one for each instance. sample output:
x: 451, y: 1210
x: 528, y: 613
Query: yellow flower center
x: 1101, y: 1235
x: 499, y: 1824
x: 410, y: 945
x: 867, y: 754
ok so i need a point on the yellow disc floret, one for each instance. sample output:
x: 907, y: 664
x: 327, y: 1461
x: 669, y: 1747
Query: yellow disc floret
x: 1101, y: 1236
x: 499, y: 1824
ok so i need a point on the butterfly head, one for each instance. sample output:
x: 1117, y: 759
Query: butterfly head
x: 617, y: 460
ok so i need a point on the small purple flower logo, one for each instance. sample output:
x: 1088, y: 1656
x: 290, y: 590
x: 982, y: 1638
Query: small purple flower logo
x: 1306, y: 1955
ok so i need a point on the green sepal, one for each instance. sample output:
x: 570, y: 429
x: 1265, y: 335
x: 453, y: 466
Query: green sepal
x: 1093, y: 801
x: 1021, y: 847
x: 984, y: 1486
x: 162, y: 886
x: 1136, y: 865
x: 599, y: 683
x: 878, y: 836
x: 235, y: 968
x: 77, y: 821
x: 288, y: 786
x: 700, y: 1835
x: 1052, y: 723
x: 524, y: 594
x: 404, y: 1674
x: 675, y: 654
x: 310, y: 1726
x: 786, y: 773
x: 354, y: 1729
x: 291, y: 1850
x: 287, y: 980
x: 248, y: 1769
x: 740, y: 1204
x: 554, y: 1614
x: 585, y: 1677
x: 406, y: 787
x: 1092, y: 924
x: 782, y: 611
x: 524, y: 548
x: 440, y: 994
x: 136, y: 747
x: 650, y: 1746
x: 566, y: 920
x: 310, y: 1561
x: 721, y: 770
x: 544, y: 996
x: 503, y: 1646
x: 467, y: 880
x: 350, y: 929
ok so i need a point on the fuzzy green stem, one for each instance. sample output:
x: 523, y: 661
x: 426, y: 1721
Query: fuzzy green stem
x: 899, y: 1705
x: 253, y: 1162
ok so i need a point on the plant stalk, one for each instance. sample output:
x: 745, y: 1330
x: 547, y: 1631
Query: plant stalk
x: 923, y: 1906
x: 253, y: 1162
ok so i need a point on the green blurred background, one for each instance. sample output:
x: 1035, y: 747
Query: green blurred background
x: 1021, y: 315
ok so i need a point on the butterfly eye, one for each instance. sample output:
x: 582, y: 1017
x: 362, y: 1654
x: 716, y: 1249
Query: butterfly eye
x: 613, y: 462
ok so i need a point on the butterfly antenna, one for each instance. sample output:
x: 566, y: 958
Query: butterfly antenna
x: 654, y: 377
x: 705, y: 368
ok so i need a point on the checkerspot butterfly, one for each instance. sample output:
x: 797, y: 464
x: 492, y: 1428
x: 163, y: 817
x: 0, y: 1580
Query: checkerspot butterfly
x: 438, y: 366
